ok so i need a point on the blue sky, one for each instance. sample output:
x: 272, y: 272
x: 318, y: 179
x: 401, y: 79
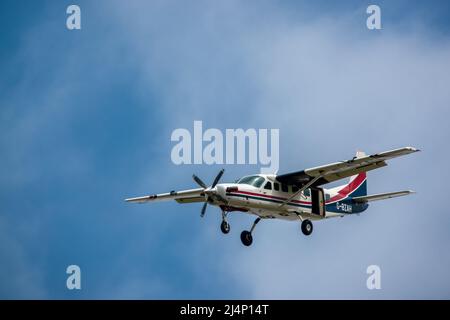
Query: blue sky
x: 86, y: 118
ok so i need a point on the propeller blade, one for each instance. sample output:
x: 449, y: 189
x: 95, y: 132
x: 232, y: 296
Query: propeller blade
x: 199, y: 181
x: 203, y: 209
x: 219, y: 175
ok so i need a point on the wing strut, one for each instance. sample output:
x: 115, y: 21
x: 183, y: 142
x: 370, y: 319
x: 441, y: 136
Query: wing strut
x: 306, y: 186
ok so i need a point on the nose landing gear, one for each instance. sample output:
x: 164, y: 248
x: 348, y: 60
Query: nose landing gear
x: 224, y: 226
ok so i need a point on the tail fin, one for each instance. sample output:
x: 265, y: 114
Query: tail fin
x: 358, y: 182
x: 356, y: 187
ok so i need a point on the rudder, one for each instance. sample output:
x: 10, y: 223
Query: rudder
x: 358, y: 182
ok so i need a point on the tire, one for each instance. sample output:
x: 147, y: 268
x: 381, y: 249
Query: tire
x: 307, y: 227
x: 246, y: 238
x: 225, y: 227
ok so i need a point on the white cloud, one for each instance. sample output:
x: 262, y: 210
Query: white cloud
x: 331, y: 90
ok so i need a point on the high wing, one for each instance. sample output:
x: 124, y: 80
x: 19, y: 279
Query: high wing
x: 382, y: 196
x: 335, y: 171
x: 183, y: 196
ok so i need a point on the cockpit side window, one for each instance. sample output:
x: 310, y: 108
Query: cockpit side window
x: 258, y: 182
x: 268, y: 185
x: 306, y: 193
x: 284, y: 187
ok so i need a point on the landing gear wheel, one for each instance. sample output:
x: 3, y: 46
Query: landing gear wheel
x: 246, y: 238
x: 225, y: 227
x: 307, y: 227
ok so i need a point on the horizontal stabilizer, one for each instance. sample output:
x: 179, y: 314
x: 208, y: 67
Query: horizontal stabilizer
x: 382, y: 196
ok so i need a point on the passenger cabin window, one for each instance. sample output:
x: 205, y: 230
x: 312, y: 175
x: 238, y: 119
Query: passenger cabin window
x: 307, y: 193
x: 284, y: 187
x: 327, y: 196
x: 295, y: 189
x: 276, y: 186
x: 255, y: 181
x: 268, y: 185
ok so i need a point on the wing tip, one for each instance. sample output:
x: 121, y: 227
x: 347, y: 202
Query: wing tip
x: 413, y: 149
x: 140, y: 199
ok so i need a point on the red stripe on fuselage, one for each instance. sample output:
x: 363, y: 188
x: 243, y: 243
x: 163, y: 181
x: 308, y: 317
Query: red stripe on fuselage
x: 343, y: 193
x: 268, y: 196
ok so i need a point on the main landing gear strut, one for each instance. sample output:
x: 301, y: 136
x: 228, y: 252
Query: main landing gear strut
x: 246, y: 236
x: 306, y: 226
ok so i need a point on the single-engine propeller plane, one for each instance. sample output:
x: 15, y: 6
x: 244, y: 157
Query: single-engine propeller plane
x: 297, y: 196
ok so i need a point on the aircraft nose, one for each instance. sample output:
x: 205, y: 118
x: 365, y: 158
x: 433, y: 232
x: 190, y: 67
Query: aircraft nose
x: 220, y: 190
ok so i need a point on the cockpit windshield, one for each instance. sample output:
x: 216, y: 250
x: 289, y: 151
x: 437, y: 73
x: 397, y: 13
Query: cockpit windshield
x: 255, y: 181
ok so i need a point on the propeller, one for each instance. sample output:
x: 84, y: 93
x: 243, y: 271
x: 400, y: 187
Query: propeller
x: 202, y: 213
x: 199, y: 181
x: 209, y: 192
x: 219, y: 175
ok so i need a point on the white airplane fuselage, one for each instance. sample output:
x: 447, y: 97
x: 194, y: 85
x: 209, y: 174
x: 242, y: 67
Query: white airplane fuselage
x: 292, y: 196
x: 285, y: 204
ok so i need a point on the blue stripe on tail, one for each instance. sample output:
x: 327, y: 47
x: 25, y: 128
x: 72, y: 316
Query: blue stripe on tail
x: 361, y: 190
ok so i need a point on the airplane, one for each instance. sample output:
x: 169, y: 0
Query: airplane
x: 296, y: 196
